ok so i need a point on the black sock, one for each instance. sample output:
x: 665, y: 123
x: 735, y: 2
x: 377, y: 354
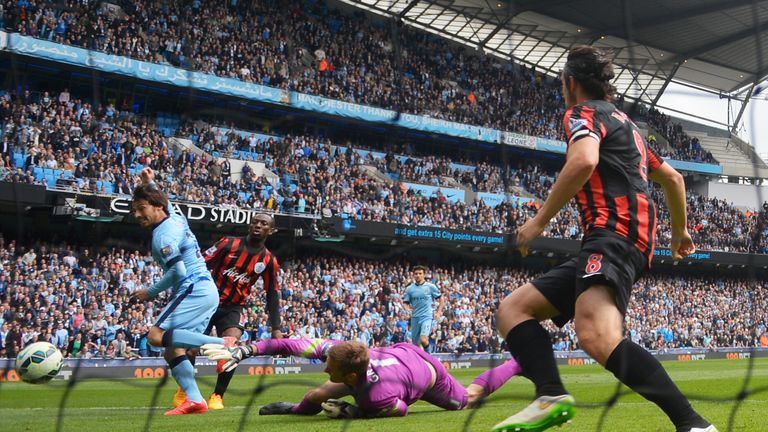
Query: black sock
x: 531, y: 346
x: 176, y: 361
x: 222, y: 382
x: 640, y: 371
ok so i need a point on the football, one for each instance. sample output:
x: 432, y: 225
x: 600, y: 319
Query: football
x: 39, y: 363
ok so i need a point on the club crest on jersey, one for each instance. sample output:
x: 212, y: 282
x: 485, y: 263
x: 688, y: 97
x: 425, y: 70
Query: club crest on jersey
x: 575, y: 124
x: 211, y: 250
x: 166, y: 251
x: 259, y: 267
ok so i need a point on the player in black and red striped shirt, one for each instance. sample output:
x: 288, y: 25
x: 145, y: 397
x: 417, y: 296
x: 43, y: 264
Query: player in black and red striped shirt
x: 236, y: 264
x: 607, y: 168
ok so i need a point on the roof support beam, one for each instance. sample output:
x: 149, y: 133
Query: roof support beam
x: 496, y: 30
x: 743, y: 108
x: 407, y: 9
x: 758, y: 77
x: 551, y: 46
x: 634, y: 74
x: 525, y: 57
x: 666, y: 83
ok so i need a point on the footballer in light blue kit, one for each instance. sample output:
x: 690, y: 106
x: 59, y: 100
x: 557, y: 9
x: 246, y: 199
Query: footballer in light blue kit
x: 419, y: 300
x: 195, y: 298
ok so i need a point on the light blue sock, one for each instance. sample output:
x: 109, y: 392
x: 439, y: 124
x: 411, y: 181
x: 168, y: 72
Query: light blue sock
x: 178, y: 338
x: 184, y: 374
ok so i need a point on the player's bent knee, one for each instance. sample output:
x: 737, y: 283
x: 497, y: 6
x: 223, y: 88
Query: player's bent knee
x: 155, y: 336
x: 597, y: 340
x: 514, y: 309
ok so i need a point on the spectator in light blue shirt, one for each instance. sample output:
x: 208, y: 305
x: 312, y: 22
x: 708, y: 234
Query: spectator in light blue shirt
x: 109, y: 308
x: 60, y: 336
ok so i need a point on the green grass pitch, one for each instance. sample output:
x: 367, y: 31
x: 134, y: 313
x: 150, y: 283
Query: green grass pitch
x: 124, y: 405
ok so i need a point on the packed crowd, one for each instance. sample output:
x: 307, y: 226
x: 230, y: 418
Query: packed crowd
x: 78, y: 299
x: 308, y: 47
x: 99, y: 145
x: 714, y: 224
x: 682, y: 146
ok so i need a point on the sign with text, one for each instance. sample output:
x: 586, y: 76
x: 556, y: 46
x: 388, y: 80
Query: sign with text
x: 436, y: 234
x: 208, y: 213
x: 516, y: 139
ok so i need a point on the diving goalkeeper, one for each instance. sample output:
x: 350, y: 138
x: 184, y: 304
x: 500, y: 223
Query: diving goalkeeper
x: 383, y: 381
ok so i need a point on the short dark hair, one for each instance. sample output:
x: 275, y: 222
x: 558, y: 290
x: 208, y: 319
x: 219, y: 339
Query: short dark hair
x: 150, y: 194
x: 419, y: 267
x: 351, y: 356
x: 592, y: 68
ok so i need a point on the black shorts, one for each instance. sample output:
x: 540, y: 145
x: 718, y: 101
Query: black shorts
x: 226, y: 316
x: 605, y: 259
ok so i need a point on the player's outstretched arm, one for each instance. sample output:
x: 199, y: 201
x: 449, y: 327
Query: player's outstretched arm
x: 312, y: 402
x: 673, y: 185
x: 176, y: 273
x: 581, y: 160
x: 307, y: 348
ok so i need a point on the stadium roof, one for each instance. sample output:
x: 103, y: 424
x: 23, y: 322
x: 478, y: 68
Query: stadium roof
x: 717, y: 45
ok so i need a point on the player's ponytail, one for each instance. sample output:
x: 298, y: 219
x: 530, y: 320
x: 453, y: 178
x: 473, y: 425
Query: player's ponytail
x: 592, y: 68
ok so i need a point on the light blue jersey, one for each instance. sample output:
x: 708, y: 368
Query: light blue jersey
x: 421, y: 298
x: 172, y: 241
x: 195, y: 297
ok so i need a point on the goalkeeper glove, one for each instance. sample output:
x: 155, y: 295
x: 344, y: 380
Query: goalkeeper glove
x: 233, y: 355
x: 339, y: 409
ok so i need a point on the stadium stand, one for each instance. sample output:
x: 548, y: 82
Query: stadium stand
x: 66, y: 274
x: 338, y: 55
x: 77, y: 299
x: 101, y: 150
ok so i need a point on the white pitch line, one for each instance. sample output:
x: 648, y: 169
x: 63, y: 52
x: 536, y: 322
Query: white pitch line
x: 120, y: 408
x: 412, y: 408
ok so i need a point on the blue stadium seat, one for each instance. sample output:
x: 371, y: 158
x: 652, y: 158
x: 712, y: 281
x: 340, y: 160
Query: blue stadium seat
x: 18, y: 159
x: 38, y: 173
